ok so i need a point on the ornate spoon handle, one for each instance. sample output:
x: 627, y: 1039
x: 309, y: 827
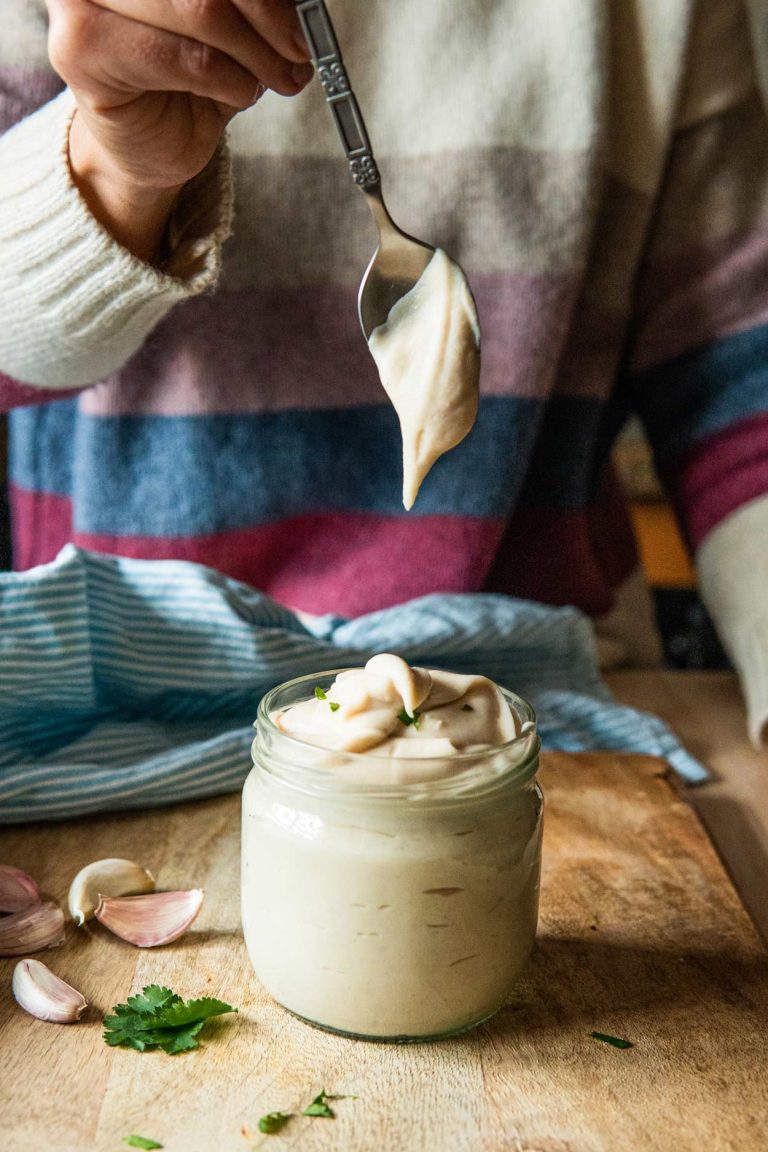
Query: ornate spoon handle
x: 326, y: 56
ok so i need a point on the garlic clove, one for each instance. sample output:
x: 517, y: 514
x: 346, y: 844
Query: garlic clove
x: 17, y: 889
x: 34, y: 928
x: 46, y: 996
x: 150, y: 920
x: 111, y: 877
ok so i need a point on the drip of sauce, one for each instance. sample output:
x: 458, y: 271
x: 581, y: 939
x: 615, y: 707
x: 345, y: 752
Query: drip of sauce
x: 428, y: 356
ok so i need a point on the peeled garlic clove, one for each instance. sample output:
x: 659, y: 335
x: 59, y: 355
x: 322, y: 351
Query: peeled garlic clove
x: 111, y: 877
x: 17, y: 889
x: 46, y: 996
x: 34, y: 928
x: 150, y: 920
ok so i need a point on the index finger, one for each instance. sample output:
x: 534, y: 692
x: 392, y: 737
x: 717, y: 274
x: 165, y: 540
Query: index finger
x: 277, y: 22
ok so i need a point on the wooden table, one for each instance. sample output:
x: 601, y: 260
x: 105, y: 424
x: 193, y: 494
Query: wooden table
x: 642, y: 936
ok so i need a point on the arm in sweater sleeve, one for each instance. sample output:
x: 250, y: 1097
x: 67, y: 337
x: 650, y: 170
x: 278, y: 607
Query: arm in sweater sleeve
x: 74, y: 304
x: 698, y: 369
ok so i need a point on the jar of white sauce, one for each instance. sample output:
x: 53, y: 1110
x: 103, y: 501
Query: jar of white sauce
x: 403, y: 910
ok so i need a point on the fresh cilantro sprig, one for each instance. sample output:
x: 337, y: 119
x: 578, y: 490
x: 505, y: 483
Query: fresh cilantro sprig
x: 614, y: 1041
x: 159, y: 1018
x: 274, y: 1122
x: 141, y: 1142
x: 406, y: 719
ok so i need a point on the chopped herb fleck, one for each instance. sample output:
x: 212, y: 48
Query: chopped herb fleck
x: 274, y: 1122
x: 141, y: 1142
x: 159, y: 1018
x: 467, y: 708
x: 333, y: 705
x: 319, y: 694
x: 614, y: 1041
x: 319, y: 1106
x: 404, y: 718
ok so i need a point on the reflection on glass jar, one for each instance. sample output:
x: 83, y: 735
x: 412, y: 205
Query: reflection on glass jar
x: 390, y: 912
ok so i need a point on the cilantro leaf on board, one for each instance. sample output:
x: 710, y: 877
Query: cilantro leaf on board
x: 159, y: 1018
x: 141, y: 1142
x: 334, y: 707
x: 319, y: 694
x: 274, y: 1122
x: 153, y: 997
x: 319, y: 1106
x: 614, y: 1041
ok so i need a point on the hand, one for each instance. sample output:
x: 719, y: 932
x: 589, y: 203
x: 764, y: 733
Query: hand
x: 156, y: 82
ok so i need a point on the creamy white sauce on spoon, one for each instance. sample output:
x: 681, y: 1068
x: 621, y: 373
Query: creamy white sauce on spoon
x: 428, y: 357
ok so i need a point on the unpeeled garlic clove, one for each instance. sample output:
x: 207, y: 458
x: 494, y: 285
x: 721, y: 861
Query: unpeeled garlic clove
x: 34, y: 928
x: 150, y: 920
x: 46, y: 996
x: 17, y: 889
x: 111, y: 877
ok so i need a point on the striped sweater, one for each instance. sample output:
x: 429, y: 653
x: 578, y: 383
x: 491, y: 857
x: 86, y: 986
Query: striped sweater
x: 600, y: 170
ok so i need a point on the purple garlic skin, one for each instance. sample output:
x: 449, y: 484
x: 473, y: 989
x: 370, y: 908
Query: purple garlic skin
x: 151, y: 920
x: 36, y: 927
x: 17, y: 889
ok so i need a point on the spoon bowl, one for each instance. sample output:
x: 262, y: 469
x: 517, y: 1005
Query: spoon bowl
x: 395, y: 268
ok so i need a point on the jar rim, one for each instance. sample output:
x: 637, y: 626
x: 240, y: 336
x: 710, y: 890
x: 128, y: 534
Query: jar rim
x: 528, y: 740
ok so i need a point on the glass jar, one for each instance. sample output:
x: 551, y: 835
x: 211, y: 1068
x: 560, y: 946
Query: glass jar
x: 389, y: 912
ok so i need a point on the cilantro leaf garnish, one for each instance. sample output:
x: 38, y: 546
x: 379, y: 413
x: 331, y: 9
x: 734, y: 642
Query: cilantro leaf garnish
x: 614, y: 1041
x: 159, y: 1018
x: 404, y: 718
x: 274, y: 1122
x: 141, y: 1142
x: 319, y: 694
x: 334, y: 707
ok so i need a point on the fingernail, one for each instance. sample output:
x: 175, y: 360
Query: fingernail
x: 302, y: 73
x: 260, y: 90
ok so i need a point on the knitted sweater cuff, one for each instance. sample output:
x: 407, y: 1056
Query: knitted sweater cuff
x: 75, y: 304
x: 733, y: 570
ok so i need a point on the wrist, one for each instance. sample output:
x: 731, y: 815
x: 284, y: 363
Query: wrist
x: 133, y: 212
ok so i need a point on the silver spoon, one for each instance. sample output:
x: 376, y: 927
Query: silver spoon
x: 398, y: 262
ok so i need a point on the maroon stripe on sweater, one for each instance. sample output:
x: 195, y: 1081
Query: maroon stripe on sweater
x: 358, y: 562
x: 343, y: 563
x: 16, y: 395
x: 721, y: 474
x: 568, y: 557
x: 42, y: 525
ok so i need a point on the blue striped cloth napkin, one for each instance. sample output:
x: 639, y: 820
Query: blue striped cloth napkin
x: 134, y: 683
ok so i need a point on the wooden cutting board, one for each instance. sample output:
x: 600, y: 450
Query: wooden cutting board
x: 641, y: 936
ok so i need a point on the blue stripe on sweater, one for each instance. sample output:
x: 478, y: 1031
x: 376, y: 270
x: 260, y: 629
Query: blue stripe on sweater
x: 189, y: 475
x: 701, y: 393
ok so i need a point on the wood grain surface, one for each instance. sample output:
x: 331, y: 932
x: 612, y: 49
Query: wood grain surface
x: 641, y: 936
